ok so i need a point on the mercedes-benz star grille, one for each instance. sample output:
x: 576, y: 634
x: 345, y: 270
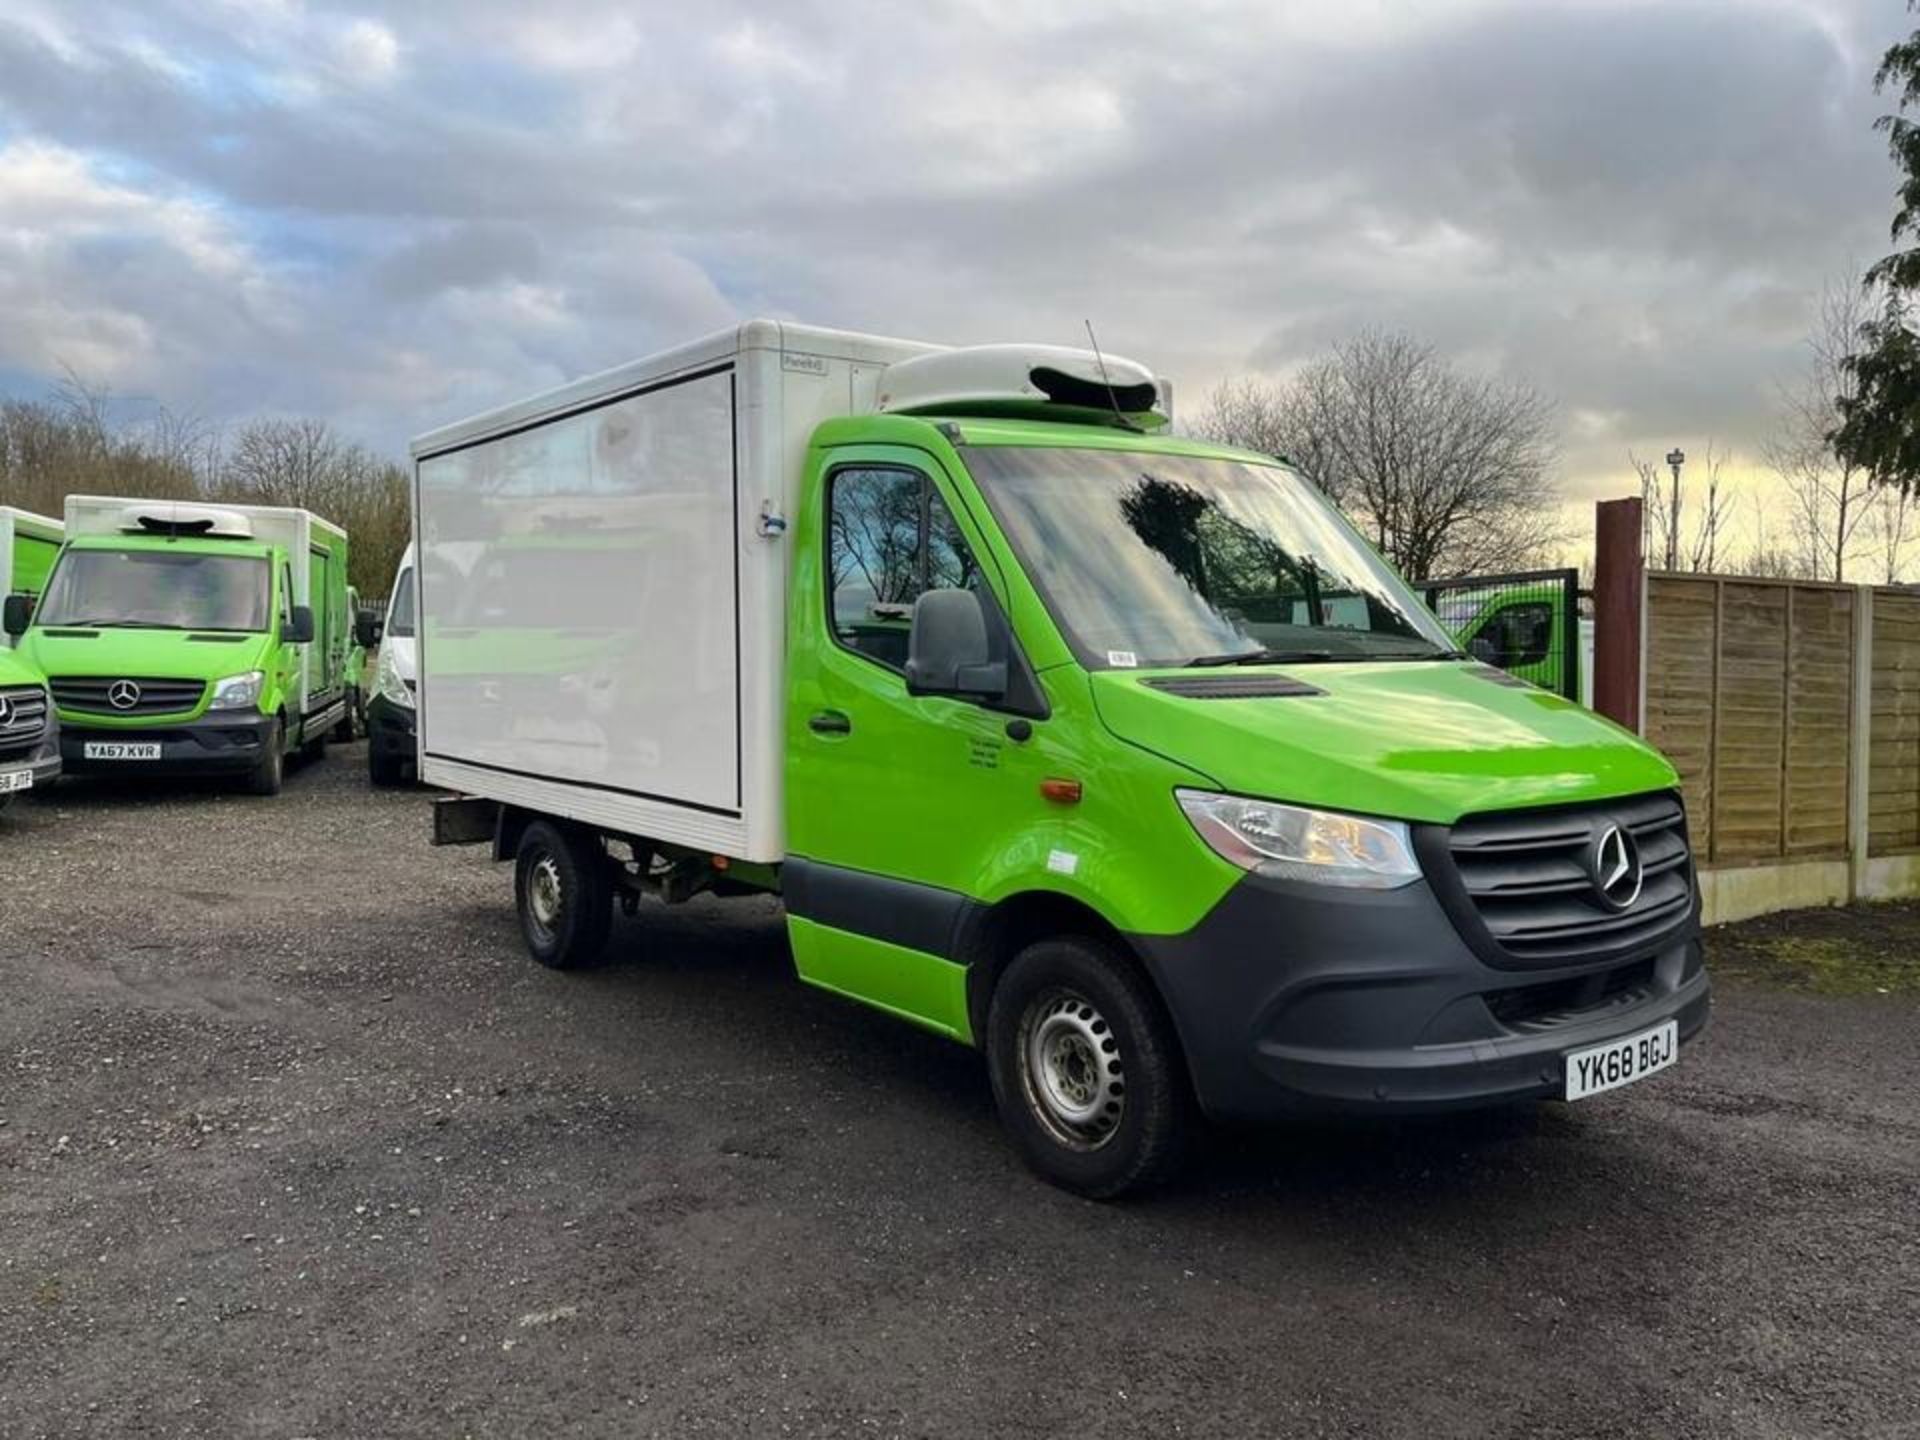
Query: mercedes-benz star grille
x: 129, y: 696
x: 1536, y: 881
x: 23, y: 720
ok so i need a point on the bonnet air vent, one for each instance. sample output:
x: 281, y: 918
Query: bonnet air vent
x: 1234, y: 687
x: 1064, y: 389
x: 1494, y: 675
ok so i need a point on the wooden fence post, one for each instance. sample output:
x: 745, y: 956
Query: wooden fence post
x: 1619, y: 595
x: 1860, y: 743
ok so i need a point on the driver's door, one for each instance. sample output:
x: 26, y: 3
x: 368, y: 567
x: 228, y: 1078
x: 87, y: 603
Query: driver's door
x: 892, y: 800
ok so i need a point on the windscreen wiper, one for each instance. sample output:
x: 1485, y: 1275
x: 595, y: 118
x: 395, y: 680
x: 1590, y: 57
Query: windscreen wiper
x: 111, y: 625
x: 1415, y: 655
x: 1264, y: 657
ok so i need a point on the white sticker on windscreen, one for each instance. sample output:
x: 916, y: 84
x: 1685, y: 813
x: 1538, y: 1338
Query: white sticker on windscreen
x: 1123, y: 659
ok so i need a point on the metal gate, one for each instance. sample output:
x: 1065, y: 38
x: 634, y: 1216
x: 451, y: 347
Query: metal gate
x: 1527, y: 623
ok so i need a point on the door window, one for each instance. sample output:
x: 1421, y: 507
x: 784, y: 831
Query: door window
x: 1522, y: 634
x: 890, y: 539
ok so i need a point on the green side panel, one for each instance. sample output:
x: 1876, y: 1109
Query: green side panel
x: 32, y: 560
x: 915, y: 986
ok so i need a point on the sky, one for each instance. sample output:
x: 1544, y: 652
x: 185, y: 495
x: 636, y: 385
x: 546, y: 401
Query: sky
x: 393, y: 215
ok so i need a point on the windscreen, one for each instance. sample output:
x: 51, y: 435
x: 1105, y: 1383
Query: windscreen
x: 1147, y: 559
x: 156, y: 590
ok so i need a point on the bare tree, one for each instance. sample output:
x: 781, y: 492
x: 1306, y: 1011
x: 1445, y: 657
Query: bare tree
x: 1447, y: 472
x: 1890, y: 526
x: 286, y: 462
x: 305, y: 463
x: 72, y: 443
x: 1769, y: 562
x: 1829, y: 495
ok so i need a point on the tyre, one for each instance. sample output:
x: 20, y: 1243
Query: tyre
x: 349, y: 727
x: 1086, y: 1071
x: 265, y: 777
x: 386, y: 770
x: 563, y: 889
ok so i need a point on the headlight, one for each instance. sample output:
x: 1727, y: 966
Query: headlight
x: 237, y: 691
x: 387, y: 681
x: 1290, y: 843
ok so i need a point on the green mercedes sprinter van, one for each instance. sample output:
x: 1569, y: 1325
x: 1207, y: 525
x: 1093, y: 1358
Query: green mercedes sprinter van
x: 1118, y: 755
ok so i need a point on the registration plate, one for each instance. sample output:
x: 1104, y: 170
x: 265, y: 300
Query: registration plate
x: 1621, y: 1062
x: 120, y: 750
x: 12, y: 780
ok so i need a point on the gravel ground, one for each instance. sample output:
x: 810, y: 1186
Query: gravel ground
x: 295, y: 1141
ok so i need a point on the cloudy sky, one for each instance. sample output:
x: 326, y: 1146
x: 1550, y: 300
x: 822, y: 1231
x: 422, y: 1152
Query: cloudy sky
x: 395, y: 214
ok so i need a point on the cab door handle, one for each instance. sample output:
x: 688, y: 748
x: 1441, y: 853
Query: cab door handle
x: 830, y: 722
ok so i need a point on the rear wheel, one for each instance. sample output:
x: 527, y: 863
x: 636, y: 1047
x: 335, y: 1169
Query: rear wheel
x: 563, y: 888
x: 1086, y: 1071
x: 350, y: 727
x: 265, y: 777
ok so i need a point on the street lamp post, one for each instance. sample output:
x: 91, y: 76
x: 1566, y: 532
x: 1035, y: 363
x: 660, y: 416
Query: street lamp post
x: 1676, y: 457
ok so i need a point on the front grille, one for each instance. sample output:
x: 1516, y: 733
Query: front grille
x: 23, y: 721
x: 89, y: 694
x: 1524, y: 887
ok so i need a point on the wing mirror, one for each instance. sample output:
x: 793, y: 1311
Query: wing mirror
x: 299, y: 627
x: 368, y: 627
x: 19, y: 614
x: 948, y: 649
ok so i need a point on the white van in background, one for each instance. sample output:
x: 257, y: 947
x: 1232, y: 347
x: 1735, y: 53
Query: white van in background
x: 390, y: 712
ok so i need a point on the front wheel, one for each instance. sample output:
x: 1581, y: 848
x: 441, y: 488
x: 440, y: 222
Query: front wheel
x: 265, y: 777
x: 1086, y: 1071
x: 563, y: 889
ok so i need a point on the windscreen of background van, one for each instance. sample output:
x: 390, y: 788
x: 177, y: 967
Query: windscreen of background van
x: 157, y: 590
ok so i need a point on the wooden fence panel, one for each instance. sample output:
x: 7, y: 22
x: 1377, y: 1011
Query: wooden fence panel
x: 1750, y: 694
x: 1681, y: 634
x: 1819, y: 710
x: 1749, y: 722
x: 1893, y: 766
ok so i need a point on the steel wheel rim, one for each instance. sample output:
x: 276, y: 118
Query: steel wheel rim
x: 545, y: 897
x: 1071, y: 1070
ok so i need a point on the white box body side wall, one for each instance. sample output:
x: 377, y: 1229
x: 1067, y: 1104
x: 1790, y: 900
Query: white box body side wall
x: 785, y: 381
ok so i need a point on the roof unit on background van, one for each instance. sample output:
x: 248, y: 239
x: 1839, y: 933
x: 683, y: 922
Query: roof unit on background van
x: 1040, y: 380
x: 171, y: 517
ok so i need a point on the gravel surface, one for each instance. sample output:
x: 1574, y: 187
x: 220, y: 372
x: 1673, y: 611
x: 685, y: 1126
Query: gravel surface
x: 295, y: 1141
